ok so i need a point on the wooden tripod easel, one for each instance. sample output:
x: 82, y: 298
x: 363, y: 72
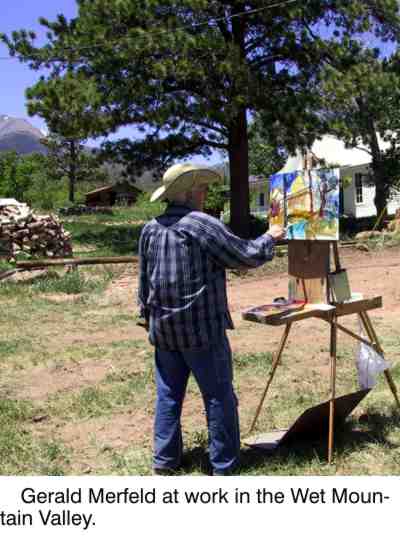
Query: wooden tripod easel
x: 309, y: 263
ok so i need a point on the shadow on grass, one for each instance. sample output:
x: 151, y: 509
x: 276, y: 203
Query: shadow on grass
x: 297, y: 458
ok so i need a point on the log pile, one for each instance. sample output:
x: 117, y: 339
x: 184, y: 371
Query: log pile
x: 23, y: 231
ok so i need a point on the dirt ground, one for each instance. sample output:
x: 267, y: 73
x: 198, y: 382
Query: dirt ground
x: 372, y: 274
x: 90, y: 440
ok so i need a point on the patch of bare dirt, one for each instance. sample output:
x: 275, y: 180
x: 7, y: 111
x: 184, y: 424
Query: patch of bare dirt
x: 108, y: 336
x: 61, y: 297
x: 42, y: 382
x: 125, y: 429
x: 124, y: 288
x: 31, y: 276
x: 91, y: 440
x: 373, y: 274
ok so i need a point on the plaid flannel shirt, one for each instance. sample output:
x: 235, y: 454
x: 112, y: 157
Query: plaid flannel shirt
x: 182, y: 288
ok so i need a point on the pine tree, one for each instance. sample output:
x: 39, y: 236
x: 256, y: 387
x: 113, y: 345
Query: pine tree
x: 69, y: 158
x: 71, y: 109
x: 190, y: 72
x: 264, y: 158
x: 361, y: 93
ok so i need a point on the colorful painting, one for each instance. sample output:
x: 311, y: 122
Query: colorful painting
x: 307, y: 203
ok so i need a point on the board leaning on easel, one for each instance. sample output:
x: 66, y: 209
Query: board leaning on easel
x: 307, y: 204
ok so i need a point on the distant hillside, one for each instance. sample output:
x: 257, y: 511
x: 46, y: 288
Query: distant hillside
x: 19, y: 135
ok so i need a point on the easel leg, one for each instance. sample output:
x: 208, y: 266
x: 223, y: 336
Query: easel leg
x: 275, y: 363
x: 369, y: 328
x: 333, y: 347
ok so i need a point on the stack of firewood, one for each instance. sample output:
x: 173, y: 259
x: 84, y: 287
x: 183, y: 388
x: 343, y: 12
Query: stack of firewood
x: 23, y: 231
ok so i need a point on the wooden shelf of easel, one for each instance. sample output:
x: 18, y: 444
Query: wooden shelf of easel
x: 286, y: 317
x: 357, y: 306
x: 312, y: 310
x: 309, y: 269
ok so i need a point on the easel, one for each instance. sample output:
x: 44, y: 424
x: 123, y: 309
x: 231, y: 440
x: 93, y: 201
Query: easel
x: 309, y: 265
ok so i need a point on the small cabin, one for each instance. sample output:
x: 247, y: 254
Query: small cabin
x: 122, y: 193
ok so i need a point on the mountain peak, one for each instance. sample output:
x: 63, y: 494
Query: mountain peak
x: 20, y: 135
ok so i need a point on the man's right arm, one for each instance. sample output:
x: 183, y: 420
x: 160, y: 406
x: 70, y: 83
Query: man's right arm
x: 229, y: 250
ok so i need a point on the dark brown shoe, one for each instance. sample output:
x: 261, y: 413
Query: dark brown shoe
x: 165, y: 471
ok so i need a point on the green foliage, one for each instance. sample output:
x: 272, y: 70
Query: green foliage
x: 68, y: 158
x: 265, y: 158
x: 5, y: 266
x: 188, y: 86
x: 216, y: 198
x: 360, y: 92
x: 350, y: 226
x: 258, y: 226
x: 36, y: 180
x: 19, y: 173
x: 46, y: 194
x: 109, y: 240
x: 144, y: 210
x: 72, y: 282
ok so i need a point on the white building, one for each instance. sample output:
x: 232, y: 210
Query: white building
x: 358, y: 194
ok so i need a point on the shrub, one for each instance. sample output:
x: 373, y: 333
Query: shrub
x: 258, y: 226
x: 144, y: 210
x: 350, y: 226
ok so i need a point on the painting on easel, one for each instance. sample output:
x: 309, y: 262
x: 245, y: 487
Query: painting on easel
x: 307, y: 203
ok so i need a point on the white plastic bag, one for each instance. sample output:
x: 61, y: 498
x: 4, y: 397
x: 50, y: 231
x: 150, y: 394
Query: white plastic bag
x: 369, y: 364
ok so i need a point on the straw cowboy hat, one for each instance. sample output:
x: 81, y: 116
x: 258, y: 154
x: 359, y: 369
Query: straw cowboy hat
x: 181, y: 178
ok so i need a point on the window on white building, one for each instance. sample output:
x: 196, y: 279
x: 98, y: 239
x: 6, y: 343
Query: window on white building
x: 262, y: 199
x: 359, y: 188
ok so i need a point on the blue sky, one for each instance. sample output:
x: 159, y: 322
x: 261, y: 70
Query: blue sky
x: 16, y: 77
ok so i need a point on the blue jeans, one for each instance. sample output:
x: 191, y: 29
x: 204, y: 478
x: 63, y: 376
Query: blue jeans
x: 212, y: 369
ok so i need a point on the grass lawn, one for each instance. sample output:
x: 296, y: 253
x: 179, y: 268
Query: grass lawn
x: 77, y: 387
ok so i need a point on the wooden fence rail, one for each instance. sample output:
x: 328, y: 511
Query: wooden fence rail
x: 31, y: 264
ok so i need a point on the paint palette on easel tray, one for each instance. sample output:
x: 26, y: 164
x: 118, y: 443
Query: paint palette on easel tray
x: 277, y: 307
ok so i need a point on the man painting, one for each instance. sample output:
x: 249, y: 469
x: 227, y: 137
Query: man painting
x: 182, y: 295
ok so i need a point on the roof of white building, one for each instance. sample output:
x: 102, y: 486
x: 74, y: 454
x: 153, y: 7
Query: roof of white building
x: 333, y: 151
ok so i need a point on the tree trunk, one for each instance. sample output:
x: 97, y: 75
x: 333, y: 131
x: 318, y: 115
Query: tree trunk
x: 238, y: 146
x: 381, y: 198
x: 72, y: 170
x: 381, y: 188
x: 239, y: 173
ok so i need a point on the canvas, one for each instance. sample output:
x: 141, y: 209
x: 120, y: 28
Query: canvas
x: 307, y: 203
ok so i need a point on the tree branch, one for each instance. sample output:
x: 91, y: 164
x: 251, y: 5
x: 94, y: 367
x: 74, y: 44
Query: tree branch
x: 226, y: 34
x: 214, y: 144
x: 220, y: 130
